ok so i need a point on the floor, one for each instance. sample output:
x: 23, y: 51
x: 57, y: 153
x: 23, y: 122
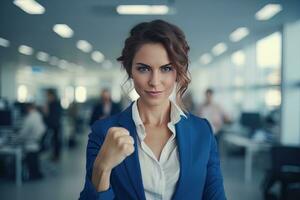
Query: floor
x: 65, y: 180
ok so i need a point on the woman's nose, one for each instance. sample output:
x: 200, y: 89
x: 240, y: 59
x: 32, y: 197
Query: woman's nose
x: 155, y: 78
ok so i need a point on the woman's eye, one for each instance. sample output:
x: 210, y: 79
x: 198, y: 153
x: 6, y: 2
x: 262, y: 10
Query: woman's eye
x: 143, y: 69
x: 166, y: 68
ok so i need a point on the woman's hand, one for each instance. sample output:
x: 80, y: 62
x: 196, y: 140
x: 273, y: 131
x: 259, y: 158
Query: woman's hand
x: 118, y: 144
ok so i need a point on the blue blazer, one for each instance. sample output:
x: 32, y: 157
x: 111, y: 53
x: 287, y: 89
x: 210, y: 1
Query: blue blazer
x: 200, y: 175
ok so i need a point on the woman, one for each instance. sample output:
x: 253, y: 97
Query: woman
x: 154, y: 150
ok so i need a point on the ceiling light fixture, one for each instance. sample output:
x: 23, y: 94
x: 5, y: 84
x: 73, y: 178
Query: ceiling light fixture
x: 238, y: 34
x: 4, y: 42
x: 142, y: 9
x: 267, y: 12
x: 53, y: 60
x: 97, y: 56
x: 30, y: 6
x: 26, y: 50
x: 42, y: 56
x: 84, y: 46
x: 63, y: 64
x: 205, y: 59
x: 219, y: 49
x: 63, y: 30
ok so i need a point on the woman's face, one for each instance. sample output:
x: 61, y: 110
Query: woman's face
x: 153, y: 75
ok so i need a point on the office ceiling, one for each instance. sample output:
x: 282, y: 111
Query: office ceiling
x: 205, y: 22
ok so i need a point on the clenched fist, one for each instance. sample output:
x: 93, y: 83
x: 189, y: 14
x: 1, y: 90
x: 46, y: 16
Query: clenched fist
x: 118, y: 144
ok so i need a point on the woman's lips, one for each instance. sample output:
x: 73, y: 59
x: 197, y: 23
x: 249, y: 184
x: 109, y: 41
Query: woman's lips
x: 154, y: 93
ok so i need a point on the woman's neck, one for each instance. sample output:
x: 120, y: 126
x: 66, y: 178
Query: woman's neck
x: 154, y: 115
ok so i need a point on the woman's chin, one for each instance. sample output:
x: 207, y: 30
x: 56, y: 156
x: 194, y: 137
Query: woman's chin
x: 154, y: 101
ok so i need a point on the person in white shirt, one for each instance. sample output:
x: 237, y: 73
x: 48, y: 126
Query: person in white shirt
x: 30, y: 135
x: 214, y: 113
x: 32, y: 128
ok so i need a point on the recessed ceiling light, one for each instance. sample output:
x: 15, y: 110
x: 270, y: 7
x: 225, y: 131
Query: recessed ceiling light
x: 107, y: 64
x: 26, y: 50
x: 53, y: 60
x: 142, y: 9
x: 4, y: 42
x: 30, y: 6
x: 219, y: 49
x: 268, y: 11
x: 205, y: 59
x: 63, y: 30
x: 239, y: 34
x: 63, y: 64
x: 97, y: 56
x: 42, y: 56
x: 84, y: 46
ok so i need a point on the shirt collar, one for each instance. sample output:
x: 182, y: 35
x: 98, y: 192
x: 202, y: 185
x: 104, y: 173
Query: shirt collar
x: 175, y: 114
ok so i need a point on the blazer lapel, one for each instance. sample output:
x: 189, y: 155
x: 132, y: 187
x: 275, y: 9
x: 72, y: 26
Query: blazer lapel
x: 131, y: 163
x: 183, y: 135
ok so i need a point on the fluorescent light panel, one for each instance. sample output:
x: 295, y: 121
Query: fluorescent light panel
x: 219, y: 49
x: 268, y: 11
x: 238, y: 34
x: 30, y: 6
x: 205, y: 59
x: 63, y: 64
x: 4, y: 42
x: 142, y: 9
x: 53, y: 60
x: 26, y: 50
x: 84, y: 46
x: 97, y: 56
x: 63, y: 30
x: 42, y: 56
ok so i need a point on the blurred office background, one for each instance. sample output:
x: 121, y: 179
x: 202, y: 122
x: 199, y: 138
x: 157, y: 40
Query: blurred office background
x: 246, y: 51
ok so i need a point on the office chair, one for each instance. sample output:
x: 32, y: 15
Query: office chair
x: 285, y: 170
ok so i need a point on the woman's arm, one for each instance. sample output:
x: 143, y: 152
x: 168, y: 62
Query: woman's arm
x: 214, y: 189
x: 104, y: 152
x: 90, y: 192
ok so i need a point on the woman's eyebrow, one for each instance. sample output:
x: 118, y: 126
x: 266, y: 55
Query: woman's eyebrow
x: 149, y: 65
x: 166, y: 65
x: 145, y: 65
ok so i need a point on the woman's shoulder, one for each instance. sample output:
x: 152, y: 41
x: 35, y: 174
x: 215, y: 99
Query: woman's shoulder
x: 199, y: 122
x: 195, y: 118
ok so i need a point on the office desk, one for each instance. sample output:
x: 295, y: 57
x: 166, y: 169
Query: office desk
x: 17, y: 152
x: 251, y: 147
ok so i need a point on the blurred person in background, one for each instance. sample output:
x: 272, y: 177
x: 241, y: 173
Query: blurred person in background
x: 105, y: 107
x: 30, y: 135
x: 214, y: 113
x: 76, y: 122
x: 53, y: 115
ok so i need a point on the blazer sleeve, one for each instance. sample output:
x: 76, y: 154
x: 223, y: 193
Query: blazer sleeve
x: 213, y: 189
x: 89, y: 192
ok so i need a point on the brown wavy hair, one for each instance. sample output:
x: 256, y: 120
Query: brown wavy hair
x: 173, y: 40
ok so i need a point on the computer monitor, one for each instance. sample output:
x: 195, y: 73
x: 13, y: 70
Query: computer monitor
x: 251, y: 120
x: 6, y: 118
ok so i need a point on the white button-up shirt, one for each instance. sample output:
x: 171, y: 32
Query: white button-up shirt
x: 159, y: 176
